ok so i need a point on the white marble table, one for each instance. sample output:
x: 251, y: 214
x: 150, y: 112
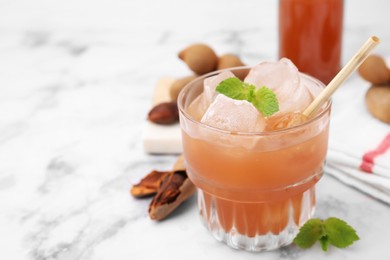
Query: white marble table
x: 76, y: 79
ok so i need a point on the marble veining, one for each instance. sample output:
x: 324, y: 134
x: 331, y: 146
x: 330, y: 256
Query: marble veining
x: 76, y: 80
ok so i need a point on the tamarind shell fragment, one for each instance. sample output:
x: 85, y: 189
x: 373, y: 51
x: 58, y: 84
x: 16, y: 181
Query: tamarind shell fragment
x: 175, y: 189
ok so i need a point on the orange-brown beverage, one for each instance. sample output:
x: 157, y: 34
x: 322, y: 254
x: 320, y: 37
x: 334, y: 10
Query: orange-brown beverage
x: 254, y: 189
x: 310, y: 33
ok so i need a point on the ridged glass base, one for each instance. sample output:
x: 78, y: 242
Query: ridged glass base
x: 256, y: 226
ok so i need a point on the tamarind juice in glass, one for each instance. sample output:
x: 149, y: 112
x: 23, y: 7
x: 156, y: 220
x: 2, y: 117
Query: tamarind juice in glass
x: 255, y: 189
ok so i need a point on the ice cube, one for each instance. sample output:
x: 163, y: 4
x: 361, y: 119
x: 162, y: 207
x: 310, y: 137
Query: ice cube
x: 233, y: 115
x: 314, y: 89
x: 284, y: 79
x: 198, y: 107
x: 211, y: 83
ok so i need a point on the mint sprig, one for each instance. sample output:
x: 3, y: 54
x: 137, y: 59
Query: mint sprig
x: 264, y: 99
x: 332, y: 231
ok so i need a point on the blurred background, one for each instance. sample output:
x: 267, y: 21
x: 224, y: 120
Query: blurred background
x: 120, y: 37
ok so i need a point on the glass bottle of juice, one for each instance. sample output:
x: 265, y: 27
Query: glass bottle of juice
x: 310, y: 33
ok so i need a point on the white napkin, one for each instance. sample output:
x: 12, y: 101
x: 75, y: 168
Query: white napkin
x: 359, y: 144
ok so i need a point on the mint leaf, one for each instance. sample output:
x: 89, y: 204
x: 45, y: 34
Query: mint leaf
x: 309, y: 233
x: 340, y: 234
x: 251, y: 90
x: 233, y: 88
x: 332, y: 231
x: 264, y: 99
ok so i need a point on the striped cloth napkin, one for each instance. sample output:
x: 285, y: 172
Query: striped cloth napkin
x: 359, y: 144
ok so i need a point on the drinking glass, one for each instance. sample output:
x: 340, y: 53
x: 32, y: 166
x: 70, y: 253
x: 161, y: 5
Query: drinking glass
x: 255, y: 190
